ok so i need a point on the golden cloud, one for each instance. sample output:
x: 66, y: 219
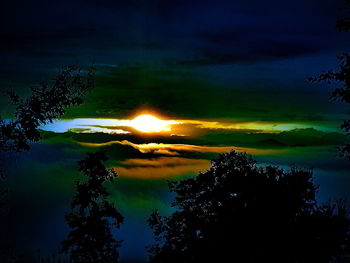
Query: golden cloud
x: 173, y: 149
x: 164, y: 167
x: 164, y: 161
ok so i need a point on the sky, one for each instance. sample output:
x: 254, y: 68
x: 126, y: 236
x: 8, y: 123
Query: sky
x: 215, y: 76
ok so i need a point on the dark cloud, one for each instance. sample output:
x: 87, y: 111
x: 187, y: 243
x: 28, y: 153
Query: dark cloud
x: 189, y: 24
x: 43, y: 36
x: 259, y: 52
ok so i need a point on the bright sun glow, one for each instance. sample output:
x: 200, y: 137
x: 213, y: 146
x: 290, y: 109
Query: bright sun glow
x: 148, y: 123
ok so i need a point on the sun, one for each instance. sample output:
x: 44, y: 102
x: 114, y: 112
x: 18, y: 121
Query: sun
x: 148, y: 123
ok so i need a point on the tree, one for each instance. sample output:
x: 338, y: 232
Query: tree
x: 343, y: 24
x: 47, y: 103
x: 243, y: 212
x: 341, y: 75
x: 93, y: 217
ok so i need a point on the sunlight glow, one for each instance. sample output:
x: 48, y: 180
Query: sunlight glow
x: 151, y: 124
x: 148, y: 123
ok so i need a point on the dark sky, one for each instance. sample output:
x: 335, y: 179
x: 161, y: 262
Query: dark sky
x: 192, y: 33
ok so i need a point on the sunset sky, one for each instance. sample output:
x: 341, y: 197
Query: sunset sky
x: 177, y: 83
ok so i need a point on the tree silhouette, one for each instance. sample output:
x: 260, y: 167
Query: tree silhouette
x: 92, y: 217
x: 343, y: 24
x: 47, y: 102
x: 341, y: 75
x: 242, y: 212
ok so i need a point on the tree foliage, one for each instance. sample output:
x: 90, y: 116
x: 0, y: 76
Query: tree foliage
x: 340, y: 75
x: 48, y: 101
x: 343, y: 24
x: 238, y: 211
x: 93, y: 217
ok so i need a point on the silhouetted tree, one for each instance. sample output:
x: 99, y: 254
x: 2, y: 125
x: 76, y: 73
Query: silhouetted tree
x: 343, y: 24
x: 93, y: 217
x: 238, y: 211
x: 342, y: 75
x: 47, y: 102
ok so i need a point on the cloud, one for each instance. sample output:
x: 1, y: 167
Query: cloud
x: 258, y: 126
x: 144, y: 123
x: 261, y: 52
x: 95, y: 129
x: 162, y: 147
x: 166, y: 152
x: 168, y: 127
x: 164, y: 167
x: 174, y: 149
x: 250, y: 43
x: 163, y: 161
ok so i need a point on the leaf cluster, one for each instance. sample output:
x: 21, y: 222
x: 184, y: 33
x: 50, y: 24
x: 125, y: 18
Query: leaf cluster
x: 47, y: 102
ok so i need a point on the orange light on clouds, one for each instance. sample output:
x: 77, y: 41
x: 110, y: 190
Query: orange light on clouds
x: 163, y: 167
x: 175, y: 149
